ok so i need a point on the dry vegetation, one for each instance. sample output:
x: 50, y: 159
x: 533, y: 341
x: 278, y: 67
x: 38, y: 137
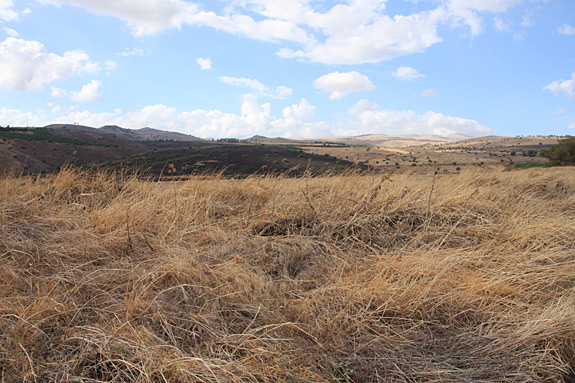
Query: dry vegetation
x: 452, y: 278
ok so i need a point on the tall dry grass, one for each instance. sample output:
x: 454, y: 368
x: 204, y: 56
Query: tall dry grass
x: 401, y: 278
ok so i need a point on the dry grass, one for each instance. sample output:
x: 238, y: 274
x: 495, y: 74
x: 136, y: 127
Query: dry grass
x: 457, y: 278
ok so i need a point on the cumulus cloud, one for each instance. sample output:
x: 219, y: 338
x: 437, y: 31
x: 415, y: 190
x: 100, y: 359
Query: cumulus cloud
x: 153, y: 16
x: 244, y: 25
x: 340, y: 84
x: 26, y: 65
x: 16, y: 117
x: 297, y: 120
x: 6, y: 11
x: 407, y: 73
x: 10, y: 32
x: 394, y: 122
x: 363, y: 106
x: 565, y: 29
x: 87, y: 118
x: 350, y: 32
x: 59, y: 93
x: 205, y: 63
x: 89, y: 92
x: 144, y: 17
x: 566, y: 87
x: 257, y: 87
x: 283, y: 91
x: 243, y: 82
x: 468, y: 12
x: 380, y: 38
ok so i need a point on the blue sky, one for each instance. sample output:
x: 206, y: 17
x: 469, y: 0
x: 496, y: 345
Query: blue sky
x: 299, y: 68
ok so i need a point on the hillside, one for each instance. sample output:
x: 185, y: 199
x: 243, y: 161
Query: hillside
x: 400, y: 278
x: 150, y: 151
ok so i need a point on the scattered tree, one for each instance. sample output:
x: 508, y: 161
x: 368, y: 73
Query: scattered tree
x: 562, y: 153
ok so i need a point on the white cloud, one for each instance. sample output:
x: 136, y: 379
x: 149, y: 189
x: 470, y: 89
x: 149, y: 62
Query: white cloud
x: 10, y: 32
x: 144, y: 17
x: 89, y: 92
x: 131, y: 52
x: 244, y: 82
x: 303, y: 111
x: 429, y: 93
x: 16, y: 117
x: 110, y: 66
x: 266, y: 30
x: 566, y: 87
x: 254, y: 118
x: 6, y: 12
x: 205, y: 63
x: 26, y: 65
x: 500, y: 24
x: 88, y: 118
x: 298, y: 121
x: 283, y: 91
x: 395, y: 122
x: 256, y: 86
x: 485, y: 5
x: 350, y: 32
x: 380, y: 38
x: 363, y: 106
x: 340, y: 84
x: 468, y: 12
x: 59, y: 93
x: 153, y: 16
x: 407, y: 73
x: 567, y: 30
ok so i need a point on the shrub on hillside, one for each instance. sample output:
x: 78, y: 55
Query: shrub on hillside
x: 561, y: 154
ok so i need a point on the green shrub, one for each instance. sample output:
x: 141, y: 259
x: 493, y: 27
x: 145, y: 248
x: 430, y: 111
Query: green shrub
x: 561, y: 154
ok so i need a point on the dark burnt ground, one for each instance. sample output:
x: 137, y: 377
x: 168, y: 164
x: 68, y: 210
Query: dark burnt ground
x: 230, y: 159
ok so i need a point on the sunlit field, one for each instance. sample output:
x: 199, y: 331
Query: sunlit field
x: 464, y: 277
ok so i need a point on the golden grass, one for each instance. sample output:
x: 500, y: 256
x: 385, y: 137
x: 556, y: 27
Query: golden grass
x: 401, y: 278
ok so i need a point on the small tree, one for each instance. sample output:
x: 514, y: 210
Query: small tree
x: 561, y: 154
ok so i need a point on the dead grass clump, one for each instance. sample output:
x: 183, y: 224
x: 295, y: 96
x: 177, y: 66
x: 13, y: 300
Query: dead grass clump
x: 465, y: 277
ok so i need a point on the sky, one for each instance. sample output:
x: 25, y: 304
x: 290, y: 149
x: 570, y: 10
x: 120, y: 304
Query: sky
x: 291, y: 68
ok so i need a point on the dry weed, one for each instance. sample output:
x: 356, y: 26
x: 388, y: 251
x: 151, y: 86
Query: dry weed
x: 397, y: 278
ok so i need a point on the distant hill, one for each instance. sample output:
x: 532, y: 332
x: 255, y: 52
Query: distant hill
x: 151, y: 151
x: 144, y: 134
x: 264, y: 139
x: 380, y: 140
x: 147, y: 134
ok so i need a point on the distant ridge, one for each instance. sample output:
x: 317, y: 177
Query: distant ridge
x: 144, y: 134
x: 258, y: 138
x: 147, y: 134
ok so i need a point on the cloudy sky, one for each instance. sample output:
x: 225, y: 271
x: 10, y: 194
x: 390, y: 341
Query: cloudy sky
x: 300, y: 68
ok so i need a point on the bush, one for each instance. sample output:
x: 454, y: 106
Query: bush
x: 561, y: 154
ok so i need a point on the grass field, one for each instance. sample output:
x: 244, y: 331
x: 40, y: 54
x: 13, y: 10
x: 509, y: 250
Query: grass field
x: 464, y: 277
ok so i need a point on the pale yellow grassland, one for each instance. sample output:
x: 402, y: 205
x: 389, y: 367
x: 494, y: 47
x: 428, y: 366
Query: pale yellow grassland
x: 400, y: 278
